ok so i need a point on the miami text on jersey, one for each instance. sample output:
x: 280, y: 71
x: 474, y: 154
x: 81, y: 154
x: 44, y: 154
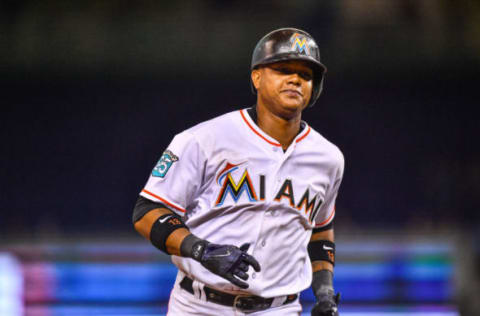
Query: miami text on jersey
x: 229, y: 187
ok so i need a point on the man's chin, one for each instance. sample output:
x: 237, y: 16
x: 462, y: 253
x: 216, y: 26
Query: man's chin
x: 290, y: 111
x: 293, y: 106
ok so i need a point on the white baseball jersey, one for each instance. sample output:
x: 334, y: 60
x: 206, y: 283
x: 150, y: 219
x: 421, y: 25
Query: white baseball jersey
x: 233, y: 184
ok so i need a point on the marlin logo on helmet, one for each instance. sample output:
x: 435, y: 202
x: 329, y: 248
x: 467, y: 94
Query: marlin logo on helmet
x: 299, y: 43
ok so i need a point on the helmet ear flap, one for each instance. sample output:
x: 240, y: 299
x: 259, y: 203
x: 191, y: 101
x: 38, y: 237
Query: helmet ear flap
x: 317, y: 86
x: 290, y: 44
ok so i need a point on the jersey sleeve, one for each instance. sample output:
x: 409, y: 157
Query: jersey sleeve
x: 327, y: 209
x: 177, y: 176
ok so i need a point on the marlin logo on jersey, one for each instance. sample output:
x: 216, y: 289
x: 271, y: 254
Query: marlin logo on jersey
x: 233, y: 188
x: 299, y: 43
x: 165, y: 162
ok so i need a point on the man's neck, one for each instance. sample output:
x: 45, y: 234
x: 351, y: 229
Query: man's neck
x: 281, y: 129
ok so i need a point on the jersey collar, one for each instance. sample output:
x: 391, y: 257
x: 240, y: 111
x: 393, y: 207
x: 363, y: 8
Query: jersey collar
x: 303, y: 133
x: 267, y: 138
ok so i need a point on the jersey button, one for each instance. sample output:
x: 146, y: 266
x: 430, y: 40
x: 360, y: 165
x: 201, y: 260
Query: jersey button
x: 254, y: 275
x: 263, y: 243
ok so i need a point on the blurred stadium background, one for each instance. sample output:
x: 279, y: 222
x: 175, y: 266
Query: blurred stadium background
x: 93, y: 91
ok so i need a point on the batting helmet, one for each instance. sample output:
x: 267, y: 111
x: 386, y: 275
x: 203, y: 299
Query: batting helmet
x: 291, y: 44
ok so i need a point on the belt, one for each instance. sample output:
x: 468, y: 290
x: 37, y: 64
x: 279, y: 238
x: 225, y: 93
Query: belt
x: 245, y: 303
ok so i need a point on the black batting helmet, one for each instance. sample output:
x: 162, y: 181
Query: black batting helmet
x: 291, y: 44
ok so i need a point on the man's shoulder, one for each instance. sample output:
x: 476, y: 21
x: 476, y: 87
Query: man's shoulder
x: 325, y: 146
x: 219, y: 121
x: 210, y: 131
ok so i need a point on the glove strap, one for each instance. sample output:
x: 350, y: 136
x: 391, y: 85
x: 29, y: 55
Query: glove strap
x: 193, y: 247
x: 322, y: 283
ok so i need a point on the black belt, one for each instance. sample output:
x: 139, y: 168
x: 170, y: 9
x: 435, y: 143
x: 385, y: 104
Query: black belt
x: 245, y: 303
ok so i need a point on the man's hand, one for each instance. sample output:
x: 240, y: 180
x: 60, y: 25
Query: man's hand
x: 327, y: 304
x: 227, y: 261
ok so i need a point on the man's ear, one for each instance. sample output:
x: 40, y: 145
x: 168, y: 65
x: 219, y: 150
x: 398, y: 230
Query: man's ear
x: 256, y: 76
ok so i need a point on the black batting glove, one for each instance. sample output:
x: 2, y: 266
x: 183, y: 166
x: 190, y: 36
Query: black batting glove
x: 327, y: 301
x: 326, y: 305
x: 227, y: 261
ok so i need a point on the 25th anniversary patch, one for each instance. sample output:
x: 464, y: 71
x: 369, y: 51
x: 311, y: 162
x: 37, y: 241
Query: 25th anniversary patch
x: 165, y: 162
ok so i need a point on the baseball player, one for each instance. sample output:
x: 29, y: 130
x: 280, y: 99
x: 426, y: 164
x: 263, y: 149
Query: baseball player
x: 244, y: 202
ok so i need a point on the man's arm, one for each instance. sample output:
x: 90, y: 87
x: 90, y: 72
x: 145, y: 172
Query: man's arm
x: 174, y: 240
x: 167, y: 231
x: 329, y: 235
x: 322, y: 253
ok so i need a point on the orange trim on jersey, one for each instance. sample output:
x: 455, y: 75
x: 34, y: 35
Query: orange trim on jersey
x: 164, y: 201
x: 256, y: 132
x: 327, y: 220
x: 308, y: 131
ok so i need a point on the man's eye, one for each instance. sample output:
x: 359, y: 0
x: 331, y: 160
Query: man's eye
x: 287, y: 71
x: 284, y: 70
x: 306, y: 76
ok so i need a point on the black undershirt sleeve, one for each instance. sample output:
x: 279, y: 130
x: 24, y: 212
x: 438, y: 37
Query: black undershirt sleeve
x: 324, y: 228
x: 143, y: 206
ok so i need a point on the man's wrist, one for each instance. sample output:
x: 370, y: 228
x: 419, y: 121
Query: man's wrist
x: 193, y: 247
x: 322, y: 283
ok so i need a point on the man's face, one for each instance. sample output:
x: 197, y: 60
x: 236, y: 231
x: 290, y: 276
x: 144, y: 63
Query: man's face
x: 284, y: 87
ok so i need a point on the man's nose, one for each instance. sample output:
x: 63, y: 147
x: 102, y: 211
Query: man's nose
x: 294, y: 78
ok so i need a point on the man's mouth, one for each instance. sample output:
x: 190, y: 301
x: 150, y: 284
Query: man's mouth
x: 291, y: 92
